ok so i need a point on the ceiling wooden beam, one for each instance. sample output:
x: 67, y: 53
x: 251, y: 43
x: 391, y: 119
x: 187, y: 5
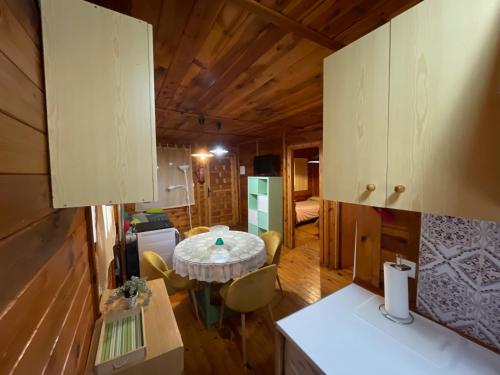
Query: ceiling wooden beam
x: 288, y: 24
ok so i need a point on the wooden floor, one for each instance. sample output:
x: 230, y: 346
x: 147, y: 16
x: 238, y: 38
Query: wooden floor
x: 218, y: 352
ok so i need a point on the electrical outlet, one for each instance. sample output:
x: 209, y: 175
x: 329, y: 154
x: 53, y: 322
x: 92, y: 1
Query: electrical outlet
x: 411, y: 264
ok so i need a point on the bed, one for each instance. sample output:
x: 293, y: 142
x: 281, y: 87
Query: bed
x: 307, y: 210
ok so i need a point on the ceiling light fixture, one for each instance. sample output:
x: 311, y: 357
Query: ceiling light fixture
x: 202, y: 155
x: 219, y: 151
x: 314, y: 160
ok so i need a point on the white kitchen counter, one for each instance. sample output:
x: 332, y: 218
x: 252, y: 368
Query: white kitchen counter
x: 345, y: 333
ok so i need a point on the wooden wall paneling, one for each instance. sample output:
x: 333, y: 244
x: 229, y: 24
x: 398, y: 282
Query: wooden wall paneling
x: 348, y: 214
x: 28, y: 15
x: 18, y: 46
x: 329, y: 227
x: 367, y: 253
x: 19, y: 96
x: 25, y: 199
x: 121, y: 94
x: 50, y: 327
x: 355, y: 133
x: 22, y: 313
x: 22, y: 149
x: 40, y: 248
x: 77, y: 355
x: 92, y: 259
x: 48, y: 234
x: 444, y: 151
x: 59, y: 351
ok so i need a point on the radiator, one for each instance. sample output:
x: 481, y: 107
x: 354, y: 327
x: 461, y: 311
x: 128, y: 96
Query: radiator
x: 162, y: 241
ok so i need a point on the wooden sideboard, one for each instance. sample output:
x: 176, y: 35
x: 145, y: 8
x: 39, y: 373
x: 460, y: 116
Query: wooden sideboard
x: 164, y: 351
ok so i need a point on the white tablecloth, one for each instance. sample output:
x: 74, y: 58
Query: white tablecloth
x: 199, y: 258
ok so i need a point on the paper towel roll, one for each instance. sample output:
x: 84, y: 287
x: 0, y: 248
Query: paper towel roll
x: 396, y: 291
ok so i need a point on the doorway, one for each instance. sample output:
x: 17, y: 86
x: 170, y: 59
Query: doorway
x: 306, y: 205
x: 300, y: 186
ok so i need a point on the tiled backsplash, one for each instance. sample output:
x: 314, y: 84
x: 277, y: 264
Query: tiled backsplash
x: 459, y: 275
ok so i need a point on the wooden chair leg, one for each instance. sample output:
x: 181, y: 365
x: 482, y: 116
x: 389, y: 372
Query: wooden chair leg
x: 243, y: 341
x: 279, y: 284
x: 195, y: 304
x: 270, y: 309
x: 221, y: 314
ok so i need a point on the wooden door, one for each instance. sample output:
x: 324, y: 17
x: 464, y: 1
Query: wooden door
x: 444, y: 122
x: 222, y: 191
x: 355, y: 111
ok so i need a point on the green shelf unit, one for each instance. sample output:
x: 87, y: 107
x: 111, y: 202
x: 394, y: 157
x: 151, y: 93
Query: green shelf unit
x: 262, y: 186
x: 265, y: 204
x: 252, y: 201
x: 253, y: 186
x: 263, y: 220
x: 253, y: 229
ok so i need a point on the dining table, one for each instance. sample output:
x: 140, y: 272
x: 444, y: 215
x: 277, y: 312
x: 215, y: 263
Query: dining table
x: 215, y: 258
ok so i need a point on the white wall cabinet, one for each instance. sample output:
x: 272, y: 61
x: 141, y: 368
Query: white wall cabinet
x: 443, y: 125
x: 100, y: 105
x: 355, y: 120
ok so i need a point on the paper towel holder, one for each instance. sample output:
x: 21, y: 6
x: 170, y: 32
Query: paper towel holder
x: 402, y: 267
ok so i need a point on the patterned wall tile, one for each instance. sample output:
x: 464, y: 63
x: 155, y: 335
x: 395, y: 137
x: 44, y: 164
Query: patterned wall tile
x: 459, y: 275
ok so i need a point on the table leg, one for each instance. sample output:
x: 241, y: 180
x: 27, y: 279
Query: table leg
x: 210, y: 313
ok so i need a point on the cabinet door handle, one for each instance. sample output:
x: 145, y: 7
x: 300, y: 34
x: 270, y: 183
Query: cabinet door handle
x: 399, y: 189
x: 371, y: 187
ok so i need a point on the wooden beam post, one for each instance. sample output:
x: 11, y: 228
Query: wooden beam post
x: 288, y: 24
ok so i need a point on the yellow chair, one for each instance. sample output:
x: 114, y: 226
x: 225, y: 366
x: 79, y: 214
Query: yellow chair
x: 154, y: 267
x: 273, y: 242
x: 196, y: 230
x: 250, y: 292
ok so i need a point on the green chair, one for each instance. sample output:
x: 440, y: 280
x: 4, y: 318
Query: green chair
x: 250, y: 292
x: 196, y: 230
x: 154, y: 267
x: 273, y: 241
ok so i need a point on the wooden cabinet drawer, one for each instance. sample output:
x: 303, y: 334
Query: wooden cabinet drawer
x: 297, y: 363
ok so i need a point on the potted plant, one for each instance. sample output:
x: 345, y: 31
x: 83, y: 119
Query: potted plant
x: 130, y: 290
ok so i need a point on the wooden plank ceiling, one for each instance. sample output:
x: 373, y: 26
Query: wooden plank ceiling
x: 252, y: 67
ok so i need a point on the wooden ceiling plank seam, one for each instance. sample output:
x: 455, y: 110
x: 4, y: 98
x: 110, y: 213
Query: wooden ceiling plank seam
x: 304, y: 68
x: 209, y: 74
x: 197, y: 29
x: 166, y: 119
x: 164, y: 50
x: 289, y: 24
x: 287, y: 80
x: 263, y: 70
x: 261, y: 45
x: 384, y: 13
x: 303, y: 9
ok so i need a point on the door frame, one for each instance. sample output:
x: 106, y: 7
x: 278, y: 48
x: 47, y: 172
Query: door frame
x: 328, y: 210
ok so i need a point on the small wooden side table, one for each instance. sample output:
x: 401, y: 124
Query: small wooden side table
x: 164, y: 351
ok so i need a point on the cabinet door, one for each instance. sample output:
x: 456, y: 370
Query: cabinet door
x: 355, y: 120
x: 444, y: 123
x: 100, y: 105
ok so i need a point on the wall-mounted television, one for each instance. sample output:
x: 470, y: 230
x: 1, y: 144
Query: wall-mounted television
x: 266, y: 165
